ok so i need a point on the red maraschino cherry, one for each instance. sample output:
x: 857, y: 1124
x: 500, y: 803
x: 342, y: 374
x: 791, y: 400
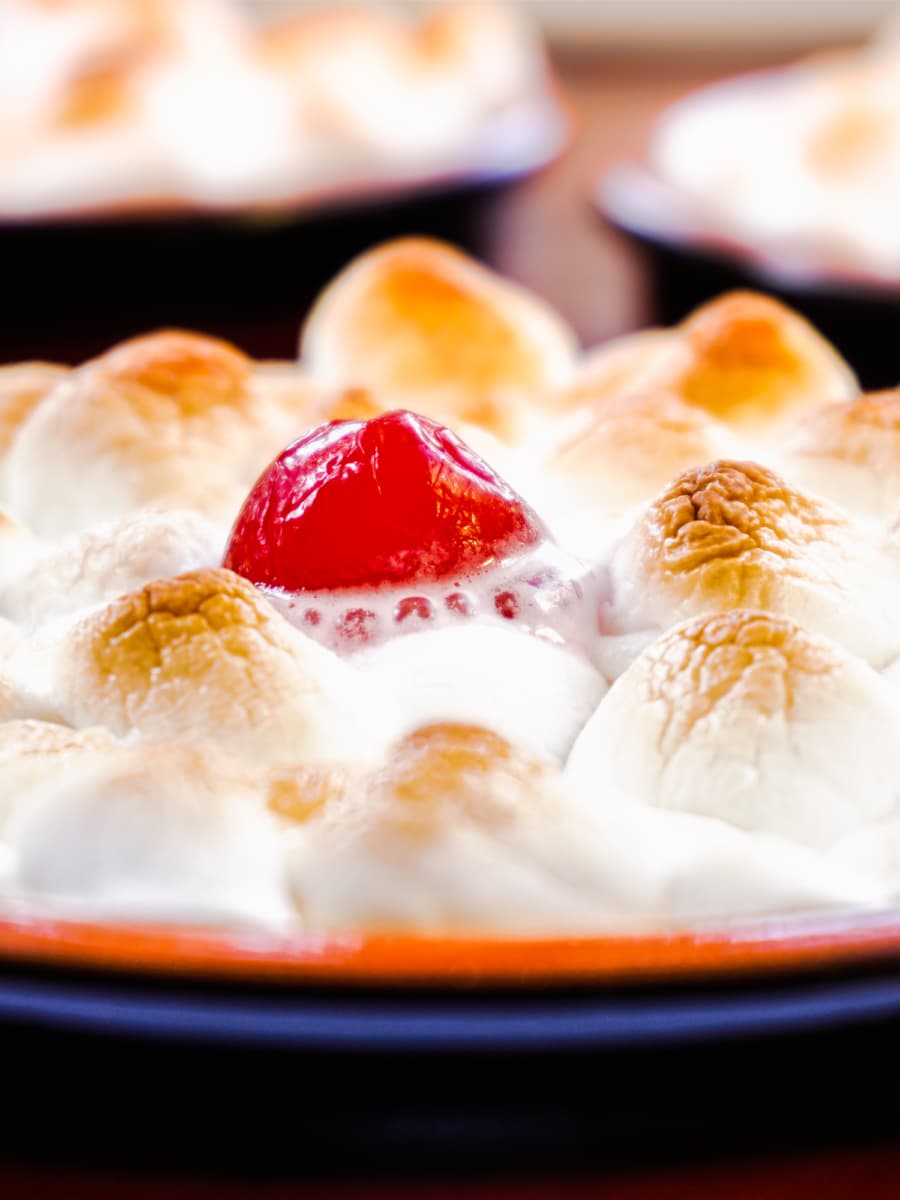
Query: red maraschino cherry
x: 398, y: 499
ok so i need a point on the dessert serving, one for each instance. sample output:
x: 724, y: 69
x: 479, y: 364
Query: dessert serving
x: 187, y: 104
x: 799, y: 166
x: 447, y: 626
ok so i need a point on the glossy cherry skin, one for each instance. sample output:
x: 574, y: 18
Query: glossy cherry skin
x: 398, y: 499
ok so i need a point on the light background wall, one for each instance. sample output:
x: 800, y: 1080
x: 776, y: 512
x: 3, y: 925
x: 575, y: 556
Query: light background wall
x: 680, y: 22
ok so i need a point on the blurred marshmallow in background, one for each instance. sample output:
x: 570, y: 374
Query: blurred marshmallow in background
x: 204, y: 100
x: 247, y: 151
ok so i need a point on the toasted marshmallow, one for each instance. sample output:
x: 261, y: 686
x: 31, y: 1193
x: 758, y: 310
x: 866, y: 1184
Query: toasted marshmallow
x: 124, y: 123
x: 519, y: 684
x: 798, y: 165
x: 491, y: 49
x: 735, y: 535
x: 751, y: 719
x: 186, y: 100
x: 361, y: 82
x: 224, y: 121
x: 426, y: 327
x: 299, y: 792
x: 689, y: 868
x: 169, y: 419
x: 287, y: 397
x: 90, y: 568
x: 57, y: 38
x: 154, y: 832
x: 35, y: 754
x: 850, y: 453
x: 624, y: 450
x: 460, y: 830
x: 463, y: 830
x: 874, y: 854
x: 18, y: 548
x: 204, y: 656
x: 91, y: 144
x: 755, y: 364
x: 101, y: 91
x: 19, y: 697
x: 619, y: 368
x: 349, y: 404
x: 22, y: 387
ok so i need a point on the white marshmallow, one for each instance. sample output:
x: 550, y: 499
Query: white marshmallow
x: 748, y: 718
x: 88, y: 569
x: 518, y: 684
x: 735, y: 535
x: 150, y: 835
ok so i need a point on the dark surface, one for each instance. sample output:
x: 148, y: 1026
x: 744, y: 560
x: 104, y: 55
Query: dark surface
x: 71, y: 289
x: 198, y: 1077
x: 862, y: 325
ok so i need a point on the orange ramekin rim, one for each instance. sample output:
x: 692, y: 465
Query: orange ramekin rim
x: 379, y: 960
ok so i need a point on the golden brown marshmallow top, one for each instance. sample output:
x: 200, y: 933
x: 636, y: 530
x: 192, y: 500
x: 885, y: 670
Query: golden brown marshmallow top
x: 744, y: 657
x: 850, y: 452
x: 172, y: 419
x: 450, y: 770
x: 193, y: 371
x: 752, y: 361
x: 732, y: 529
x: 849, y: 140
x: 301, y: 793
x: 418, y: 319
x: 201, y: 647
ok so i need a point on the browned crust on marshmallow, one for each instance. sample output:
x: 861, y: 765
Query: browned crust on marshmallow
x: 731, y: 530
x: 290, y: 43
x: 618, y: 368
x: 452, y: 770
x: 137, y: 636
x: 22, y: 387
x: 746, y: 658
x: 752, y: 361
x: 849, y: 140
x: 34, y: 752
x: 351, y: 404
x: 101, y: 91
x: 192, y: 370
x: 45, y: 738
x: 201, y: 647
x: 417, y: 321
x: 298, y: 794
x: 171, y: 418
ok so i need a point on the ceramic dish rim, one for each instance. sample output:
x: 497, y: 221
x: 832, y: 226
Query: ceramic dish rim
x: 705, y: 952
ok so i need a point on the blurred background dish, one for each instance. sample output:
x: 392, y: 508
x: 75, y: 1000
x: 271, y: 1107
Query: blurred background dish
x: 221, y: 243
x: 786, y: 179
x: 200, y: 163
x: 162, y: 104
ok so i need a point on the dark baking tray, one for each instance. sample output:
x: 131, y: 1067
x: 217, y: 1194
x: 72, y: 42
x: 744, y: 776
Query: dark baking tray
x: 859, y: 314
x: 110, y: 1069
x: 72, y: 289
x: 74, y: 282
